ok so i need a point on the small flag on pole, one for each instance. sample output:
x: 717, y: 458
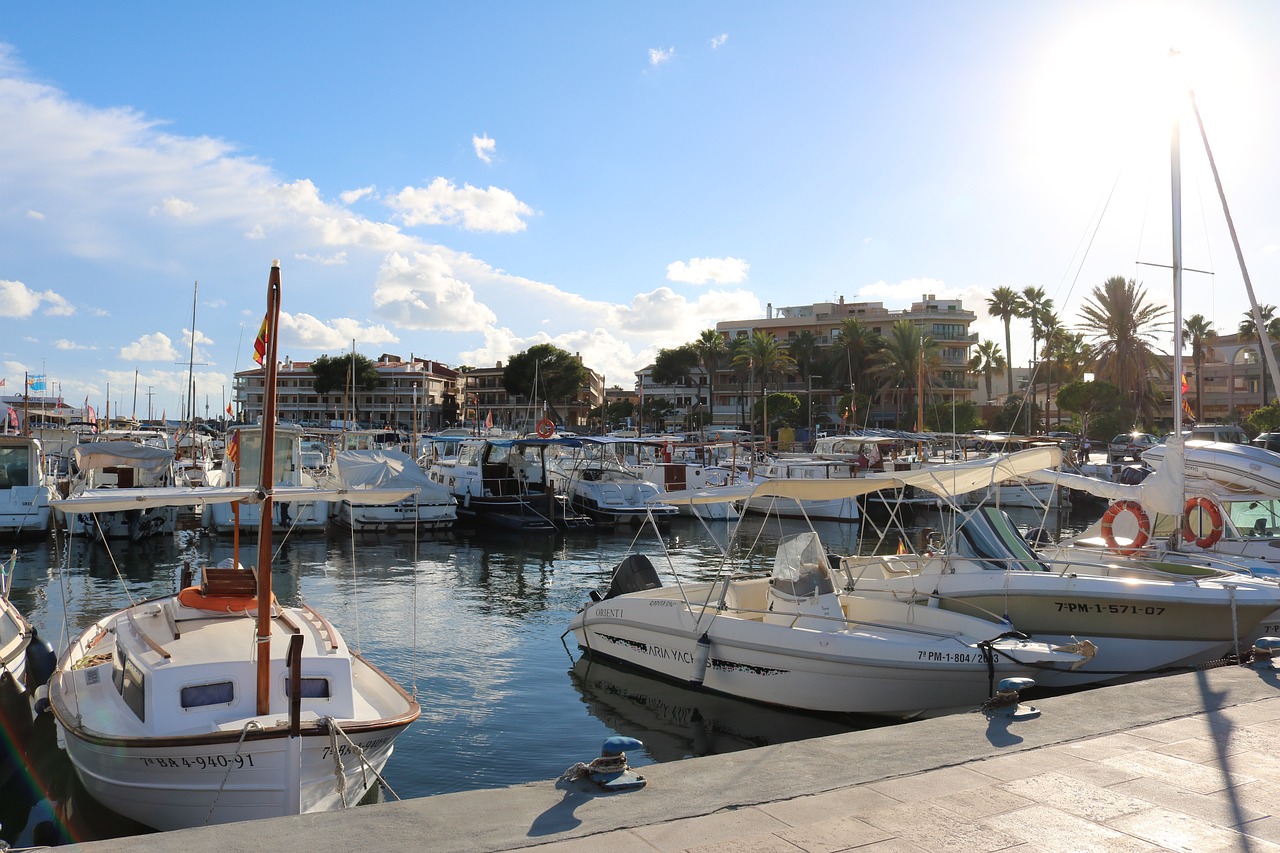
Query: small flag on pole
x: 260, y: 345
x: 1184, y: 383
x: 228, y: 410
x: 1, y: 383
x: 488, y: 420
x: 233, y: 448
x: 36, y: 382
x: 902, y: 546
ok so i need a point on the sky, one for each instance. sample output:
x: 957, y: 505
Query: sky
x: 461, y: 181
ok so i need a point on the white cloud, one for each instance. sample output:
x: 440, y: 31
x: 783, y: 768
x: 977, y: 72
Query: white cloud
x: 425, y: 291
x: 659, y: 55
x: 35, y: 214
x: 67, y: 346
x: 255, y: 233
x: 324, y: 260
x: 484, y: 147
x: 310, y: 333
x: 708, y: 270
x: 157, y: 347
x: 719, y: 40
x: 175, y: 207
x: 18, y: 300
x: 475, y: 209
x: 352, y: 196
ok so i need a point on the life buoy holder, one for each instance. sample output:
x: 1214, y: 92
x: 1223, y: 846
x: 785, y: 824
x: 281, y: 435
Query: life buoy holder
x: 546, y: 428
x: 1139, y: 515
x: 1203, y: 507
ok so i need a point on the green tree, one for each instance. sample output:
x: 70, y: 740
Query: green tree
x: 1124, y: 327
x: 334, y: 375
x: 958, y: 416
x: 675, y: 366
x: 1006, y: 303
x: 711, y: 353
x: 544, y: 373
x: 987, y: 360
x: 741, y: 364
x: 907, y: 361
x: 1265, y: 419
x: 766, y: 359
x: 1198, y: 333
x: 782, y: 408
x: 851, y: 353
x: 1037, y: 308
x: 1088, y: 399
x: 806, y: 352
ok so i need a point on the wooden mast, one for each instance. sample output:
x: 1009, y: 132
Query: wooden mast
x: 265, y: 482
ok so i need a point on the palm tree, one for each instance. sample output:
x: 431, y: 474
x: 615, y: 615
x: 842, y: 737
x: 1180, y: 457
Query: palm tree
x: 987, y: 360
x: 741, y: 370
x: 767, y: 360
x: 805, y: 350
x: 1249, y: 329
x: 907, y: 360
x: 1200, y: 335
x: 1124, y: 327
x: 851, y: 352
x: 711, y: 352
x: 1039, y: 310
x: 1006, y: 303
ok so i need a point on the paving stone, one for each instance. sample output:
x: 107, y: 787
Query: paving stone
x: 1266, y: 828
x: 1097, y: 773
x: 1023, y: 764
x: 934, y: 783
x: 1221, y: 807
x: 1260, y: 711
x: 980, y: 802
x: 1181, y: 729
x: 846, y: 802
x: 622, y: 841
x: 1214, y: 747
x: 829, y: 836
x: 934, y: 828
x: 709, y: 829
x: 1098, y: 748
x: 1053, y: 831
x: 1194, y: 777
x: 1076, y: 797
x: 1181, y: 832
x: 766, y: 843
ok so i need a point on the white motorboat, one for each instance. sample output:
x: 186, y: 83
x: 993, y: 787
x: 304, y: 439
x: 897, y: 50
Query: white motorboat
x: 25, y: 489
x: 1143, y: 620
x: 505, y: 483
x: 794, y: 640
x: 601, y: 487
x: 219, y: 703
x: 120, y: 464
x: 299, y: 513
x: 429, y: 508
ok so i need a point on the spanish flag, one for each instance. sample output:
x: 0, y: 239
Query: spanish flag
x: 260, y: 345
x: 228, y: 410
x: 1184, y: 383
x: 233, y: 448
x: 902, y: 547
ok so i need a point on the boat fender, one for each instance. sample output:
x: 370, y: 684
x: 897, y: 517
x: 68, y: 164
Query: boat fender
x: 610, y: 771
x: 41, y: 661
x: 1264, y: 653
x: 1005, y: 704
x: 1144, y: 527
x: 1201, y: 507
x: 701, y: 655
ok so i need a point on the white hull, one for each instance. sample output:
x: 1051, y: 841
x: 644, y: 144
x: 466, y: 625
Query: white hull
x: 176, y: 785
x: 24, y: 509
x: 893, y: 658
x: 132, y: 525
x: 295, y: 517
x: 841, y: 509
x: 402, y: 516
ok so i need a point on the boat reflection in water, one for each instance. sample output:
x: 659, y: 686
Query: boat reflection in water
x: 679, y: 722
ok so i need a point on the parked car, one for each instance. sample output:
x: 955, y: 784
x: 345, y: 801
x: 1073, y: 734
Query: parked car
x: 1268, y: 441
x: 1130, y: 445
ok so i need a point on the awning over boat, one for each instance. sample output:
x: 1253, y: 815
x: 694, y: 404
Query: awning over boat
x: 116, y: 500
x: 105, y: 454
x: 379, y: 469
x: 960, y: 478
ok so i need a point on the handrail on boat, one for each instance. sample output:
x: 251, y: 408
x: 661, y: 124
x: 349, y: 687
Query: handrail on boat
x: 144, y: 636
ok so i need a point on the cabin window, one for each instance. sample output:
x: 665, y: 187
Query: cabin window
x: 203, y: 695
x: 131, y: 684
x: 312, y: 688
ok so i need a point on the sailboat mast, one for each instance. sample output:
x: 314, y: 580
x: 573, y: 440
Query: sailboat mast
x: 191, y: 365
x: 1175, y: 189
x: 265, y: 482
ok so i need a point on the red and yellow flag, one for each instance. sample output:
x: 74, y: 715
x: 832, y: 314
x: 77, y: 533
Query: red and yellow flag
x: 260, y: 345
x: 233, y: 448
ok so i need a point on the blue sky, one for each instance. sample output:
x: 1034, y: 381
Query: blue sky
x: 460, y: 181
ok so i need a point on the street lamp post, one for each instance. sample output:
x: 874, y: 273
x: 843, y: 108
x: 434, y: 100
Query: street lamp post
x: 812, y: 440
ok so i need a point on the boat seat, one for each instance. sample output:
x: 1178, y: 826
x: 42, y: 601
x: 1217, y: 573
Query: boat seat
x: 747, y: 595
x: 220, y: 581
x: 893, y: 567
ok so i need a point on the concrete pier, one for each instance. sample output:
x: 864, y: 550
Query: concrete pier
x: 1185, y: 762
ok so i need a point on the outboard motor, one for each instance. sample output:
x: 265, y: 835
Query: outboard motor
x: 1132, y: 475
x: 801, y: 594
x: 634, y: 574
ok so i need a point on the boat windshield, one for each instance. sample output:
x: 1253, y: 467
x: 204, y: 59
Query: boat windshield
x: 988, y: 536
x: 800, y: 568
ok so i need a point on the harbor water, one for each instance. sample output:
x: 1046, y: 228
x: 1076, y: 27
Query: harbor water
x: 472, y: 622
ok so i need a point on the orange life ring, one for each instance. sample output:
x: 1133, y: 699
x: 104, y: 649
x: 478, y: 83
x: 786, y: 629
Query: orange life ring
x: 546, y: 428
x: 1144, y: 527
x: 1205, y: 507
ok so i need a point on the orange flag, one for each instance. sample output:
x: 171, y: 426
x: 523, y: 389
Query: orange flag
x: 260, y: 345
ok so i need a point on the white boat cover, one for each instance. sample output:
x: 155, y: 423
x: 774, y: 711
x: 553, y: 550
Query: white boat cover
x: 380, y: 469
x: 114, y: 500
x: 105, y: 454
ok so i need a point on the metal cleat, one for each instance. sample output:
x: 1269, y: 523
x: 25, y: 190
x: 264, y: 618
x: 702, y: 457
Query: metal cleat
x: 610, y: 771
x: 1005, y: 703
x: 1264, y: 653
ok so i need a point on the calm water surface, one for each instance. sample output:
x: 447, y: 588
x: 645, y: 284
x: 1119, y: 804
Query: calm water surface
x: 471, y: 622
